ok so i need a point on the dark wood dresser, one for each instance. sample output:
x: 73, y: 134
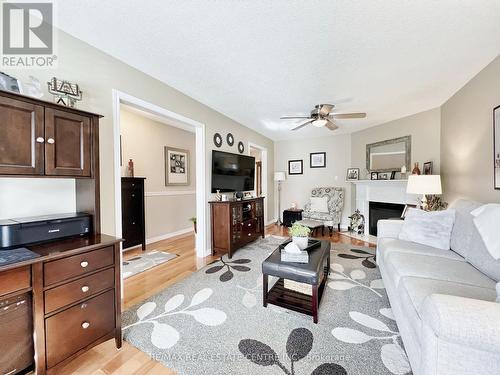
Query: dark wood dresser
x: 236, y: 223
x: 72, y: 289
x: 133, y: 218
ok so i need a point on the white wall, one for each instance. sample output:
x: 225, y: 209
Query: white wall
x: 143, y: 141
x: 297, y: 188
x: 22, y: 197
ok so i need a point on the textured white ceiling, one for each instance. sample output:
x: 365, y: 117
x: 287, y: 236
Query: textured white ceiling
x: 255, y: 60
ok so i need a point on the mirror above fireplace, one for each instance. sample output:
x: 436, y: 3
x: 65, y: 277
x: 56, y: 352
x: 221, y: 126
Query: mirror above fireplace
x: 389, y: 155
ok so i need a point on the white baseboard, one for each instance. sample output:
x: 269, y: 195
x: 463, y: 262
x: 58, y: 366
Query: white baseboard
x: 169, y: 235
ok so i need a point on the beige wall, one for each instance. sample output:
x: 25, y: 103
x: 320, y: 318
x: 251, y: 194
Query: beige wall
x: 297, y: 188
x: 424, y: 129
x: 98, y: 73
x: 143, y: 141
x: 467, y: 138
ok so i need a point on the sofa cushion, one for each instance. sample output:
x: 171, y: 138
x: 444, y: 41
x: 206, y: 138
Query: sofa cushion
x: 399, y: 265
x: 419, y: 288
x: 319, y: 204
x: 428, y: 228
x: 388, y: 246
x: 461, y: 235
x: 481, y: 258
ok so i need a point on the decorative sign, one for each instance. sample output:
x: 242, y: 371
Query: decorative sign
x: 65, y: 92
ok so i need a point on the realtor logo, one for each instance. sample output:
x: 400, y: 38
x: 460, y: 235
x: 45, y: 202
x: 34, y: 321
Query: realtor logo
x: 28, y: 34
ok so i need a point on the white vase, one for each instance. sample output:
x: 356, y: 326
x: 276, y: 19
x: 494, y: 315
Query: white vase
x: 301, y: 242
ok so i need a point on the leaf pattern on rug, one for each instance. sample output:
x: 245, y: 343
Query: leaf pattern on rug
x: 164, y: 336
x: 340, y: 280
x: 393, y: 355
x: 234, y: 264
x: 298, y: 346
x: 368, y: 258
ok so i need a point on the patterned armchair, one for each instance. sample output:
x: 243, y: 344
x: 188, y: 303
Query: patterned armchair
x: 335, y: 205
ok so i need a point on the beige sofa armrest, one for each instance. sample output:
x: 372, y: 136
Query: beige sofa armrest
x: 470, y: 322
x: 389, y: 228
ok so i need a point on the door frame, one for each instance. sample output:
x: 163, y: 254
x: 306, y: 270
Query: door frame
x: 265, y: 167
x: 178, y: 121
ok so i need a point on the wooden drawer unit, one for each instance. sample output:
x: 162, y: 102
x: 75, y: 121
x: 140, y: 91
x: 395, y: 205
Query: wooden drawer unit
x: 77, y: 265
x: 14, y: 280
x: 73, y: 329
x: 79, y: 289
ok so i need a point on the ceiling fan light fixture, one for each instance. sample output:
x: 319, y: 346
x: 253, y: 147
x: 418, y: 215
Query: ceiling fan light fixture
x: 319, y: 123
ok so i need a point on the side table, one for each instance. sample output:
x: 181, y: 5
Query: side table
x: 291, y: 215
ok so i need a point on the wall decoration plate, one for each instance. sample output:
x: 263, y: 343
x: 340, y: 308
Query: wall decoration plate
x: 176, y: 166
x: 217, y: 140
x: 230, y: 139
x: 241, y: 147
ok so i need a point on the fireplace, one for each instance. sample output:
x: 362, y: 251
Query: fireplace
x: 381, y: 211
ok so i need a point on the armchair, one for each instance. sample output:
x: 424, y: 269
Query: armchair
x: 333, y: 217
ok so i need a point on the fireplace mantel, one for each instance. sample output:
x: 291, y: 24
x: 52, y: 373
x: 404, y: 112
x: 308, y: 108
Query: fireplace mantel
x: 385, y: 191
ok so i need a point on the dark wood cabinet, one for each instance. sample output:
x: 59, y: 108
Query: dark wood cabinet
x: 236, y: 223
x: 133, y: 217
x: 43, y: 139
x: 21, y: 137
x: 67, y: 144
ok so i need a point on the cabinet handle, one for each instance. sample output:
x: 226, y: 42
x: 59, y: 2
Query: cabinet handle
x: 133, y: 222
x: 85, y: 325
x: 51, y: 141
x: 249, y: 224
x: 84, y: 264
x: 249, y: 234
x: 85, y: 289
x: 133, y: 195
x: 40, y: 140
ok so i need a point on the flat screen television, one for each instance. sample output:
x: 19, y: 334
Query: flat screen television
x: 232, y: 172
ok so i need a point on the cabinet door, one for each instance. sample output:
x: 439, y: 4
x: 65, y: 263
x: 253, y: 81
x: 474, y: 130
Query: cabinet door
x: 21, y: 137
x: 67, y: 148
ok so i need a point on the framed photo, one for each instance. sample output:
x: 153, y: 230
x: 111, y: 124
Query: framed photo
x: 8, y: 83
x: 295, y: 167
x: 317, y: 160
x: 374, y: 176
x: 176, y: 166
x: 383, y: 176
x: 428, y: 167
x: 353, y: 174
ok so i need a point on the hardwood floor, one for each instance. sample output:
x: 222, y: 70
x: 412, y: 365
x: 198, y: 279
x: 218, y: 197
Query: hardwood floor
x: 104, y: 358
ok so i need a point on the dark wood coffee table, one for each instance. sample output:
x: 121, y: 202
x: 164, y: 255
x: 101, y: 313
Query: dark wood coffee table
x: 314, y: 273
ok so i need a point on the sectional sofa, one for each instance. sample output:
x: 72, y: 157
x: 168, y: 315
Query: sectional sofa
x: 444, y: 300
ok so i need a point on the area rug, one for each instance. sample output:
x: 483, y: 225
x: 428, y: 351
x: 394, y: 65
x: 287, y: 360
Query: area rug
x: 213, y: 322
x: 144, y: 262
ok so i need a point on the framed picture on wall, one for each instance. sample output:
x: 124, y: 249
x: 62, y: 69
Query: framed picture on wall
x: 176, y: 166
x: 295, y: 167
x: 317, y: 160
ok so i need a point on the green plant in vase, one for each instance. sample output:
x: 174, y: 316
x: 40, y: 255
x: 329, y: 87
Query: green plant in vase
x: 300, y: 235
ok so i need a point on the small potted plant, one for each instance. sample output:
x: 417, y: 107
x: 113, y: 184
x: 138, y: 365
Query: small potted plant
x: 193, y: 220
x: 300, y: 235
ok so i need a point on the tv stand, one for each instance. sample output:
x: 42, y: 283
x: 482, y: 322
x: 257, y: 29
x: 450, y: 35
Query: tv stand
x: 236, y: 223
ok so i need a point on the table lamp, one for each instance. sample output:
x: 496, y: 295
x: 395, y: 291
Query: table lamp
x: 279, y: 177
x: 424, y: 185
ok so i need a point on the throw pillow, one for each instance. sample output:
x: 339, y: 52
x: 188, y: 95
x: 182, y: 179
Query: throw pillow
x: 319, y: 204
x: 486, y: 220
x: 428, y: 228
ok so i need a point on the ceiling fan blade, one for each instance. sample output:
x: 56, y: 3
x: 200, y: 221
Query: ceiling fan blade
x: 302, y: 124
x: 347, y: 115
x: 331, y: 126
x: 325, y: 109
x: 293, y: 117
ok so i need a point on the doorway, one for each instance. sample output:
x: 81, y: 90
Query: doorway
x: 176, y: 120
x: 261, y: 170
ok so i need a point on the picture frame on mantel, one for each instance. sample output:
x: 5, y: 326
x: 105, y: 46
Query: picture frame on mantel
x: 496, y: 147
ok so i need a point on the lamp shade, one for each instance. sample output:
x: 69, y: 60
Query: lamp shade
x: 279, y: 176
x: 426, y: 184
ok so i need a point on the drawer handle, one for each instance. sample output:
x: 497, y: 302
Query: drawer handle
x: 85, y: 289
x: 249, y: 234
x: 249, y: 224
x: 133, y: 195
x: 84, y: 264
x: 39, y: 140
x: 51, y: 141
x: 85, y: 325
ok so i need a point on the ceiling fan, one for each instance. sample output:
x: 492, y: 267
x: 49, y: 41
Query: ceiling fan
x: 322, y: 115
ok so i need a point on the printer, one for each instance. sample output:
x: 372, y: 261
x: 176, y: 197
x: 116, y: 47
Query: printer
x: 29, y: 230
